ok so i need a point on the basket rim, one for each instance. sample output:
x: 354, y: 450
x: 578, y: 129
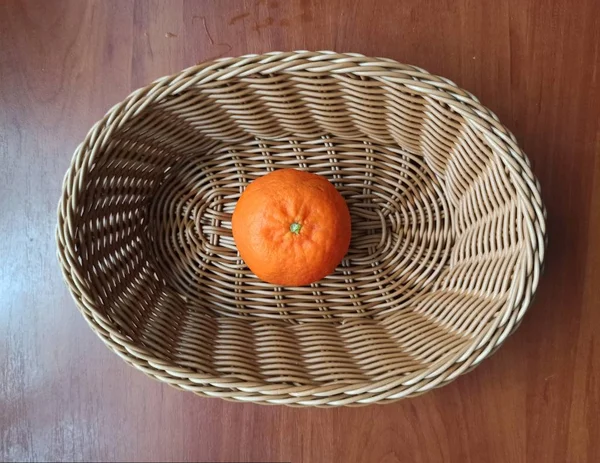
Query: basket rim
x: 385, y: 70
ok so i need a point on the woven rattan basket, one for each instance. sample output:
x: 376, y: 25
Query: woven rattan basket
x: 447, y: 240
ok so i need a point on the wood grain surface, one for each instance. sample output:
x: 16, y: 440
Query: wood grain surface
x: 64, y: 396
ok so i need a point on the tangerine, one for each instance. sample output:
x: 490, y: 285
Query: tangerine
x: 291, y: 227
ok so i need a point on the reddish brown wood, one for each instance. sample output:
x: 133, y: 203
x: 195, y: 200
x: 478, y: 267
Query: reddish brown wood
x: 63, y: 396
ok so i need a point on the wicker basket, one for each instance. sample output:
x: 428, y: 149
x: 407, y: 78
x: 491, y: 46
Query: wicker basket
x: 447, y: 246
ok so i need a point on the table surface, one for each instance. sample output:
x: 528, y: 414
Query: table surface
x: 64, y: 396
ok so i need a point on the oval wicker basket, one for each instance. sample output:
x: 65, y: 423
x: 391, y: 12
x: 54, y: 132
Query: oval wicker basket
x: 447, y: 245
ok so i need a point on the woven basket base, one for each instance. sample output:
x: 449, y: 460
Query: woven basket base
x: 400, y: 241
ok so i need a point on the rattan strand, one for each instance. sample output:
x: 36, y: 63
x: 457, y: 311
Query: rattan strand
x: 448, y: 230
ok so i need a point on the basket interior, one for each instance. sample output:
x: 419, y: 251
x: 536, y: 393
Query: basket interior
x: 436, y: 238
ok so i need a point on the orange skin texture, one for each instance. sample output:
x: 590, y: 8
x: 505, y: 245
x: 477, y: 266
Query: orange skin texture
x: 272, y: 250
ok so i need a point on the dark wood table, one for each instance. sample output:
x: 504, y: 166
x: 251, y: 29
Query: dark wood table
x: 64, y: 396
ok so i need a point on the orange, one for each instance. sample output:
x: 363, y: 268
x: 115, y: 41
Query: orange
x: 292, y: 228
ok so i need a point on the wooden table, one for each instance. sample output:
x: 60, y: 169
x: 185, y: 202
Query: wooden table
x: 64, y: 396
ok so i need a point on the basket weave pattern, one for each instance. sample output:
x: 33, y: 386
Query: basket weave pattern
x: 447, y: 240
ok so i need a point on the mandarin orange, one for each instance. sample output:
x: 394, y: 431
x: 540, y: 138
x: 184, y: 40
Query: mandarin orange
x: 291, y: 227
